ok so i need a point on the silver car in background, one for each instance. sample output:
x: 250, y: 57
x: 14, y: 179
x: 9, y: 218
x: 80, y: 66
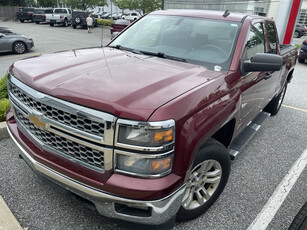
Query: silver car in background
x: 16, y: 43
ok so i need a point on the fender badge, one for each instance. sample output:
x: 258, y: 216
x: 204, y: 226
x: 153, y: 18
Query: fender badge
x: 37, y: 122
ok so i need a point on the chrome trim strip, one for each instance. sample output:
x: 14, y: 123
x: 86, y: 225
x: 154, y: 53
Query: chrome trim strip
x: 162, y: 209
x: 142, y: 155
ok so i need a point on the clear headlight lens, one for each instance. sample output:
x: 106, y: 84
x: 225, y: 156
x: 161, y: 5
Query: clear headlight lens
x: 146, y: 136
x: 144, y: 166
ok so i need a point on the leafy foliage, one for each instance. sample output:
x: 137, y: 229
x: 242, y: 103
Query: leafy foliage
x: 84, y: 4
x: 4, y: 106
x: 12, y: 3
x: 141, y: 5
x: 104, y: 22
x: 47, y: 3
x: 3, y: 87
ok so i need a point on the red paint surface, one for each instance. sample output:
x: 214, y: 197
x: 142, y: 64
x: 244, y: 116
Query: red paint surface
x: 149, y: 88
x: 291, y: 22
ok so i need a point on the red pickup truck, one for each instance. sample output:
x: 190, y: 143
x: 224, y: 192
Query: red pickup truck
x: 145, y: 127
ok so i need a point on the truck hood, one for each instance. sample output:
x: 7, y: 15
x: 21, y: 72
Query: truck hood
x: 119, y: 82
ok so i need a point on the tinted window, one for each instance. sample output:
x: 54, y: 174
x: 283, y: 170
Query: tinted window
x: 271, y: 33
x: 255, y: 42
x: 49, y: 11
x: 60, y: 11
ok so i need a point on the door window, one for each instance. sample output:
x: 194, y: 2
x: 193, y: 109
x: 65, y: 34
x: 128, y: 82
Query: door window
x: 255, y: 42
x: 271, y: 33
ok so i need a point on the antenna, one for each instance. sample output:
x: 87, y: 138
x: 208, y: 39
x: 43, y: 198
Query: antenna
x: 226, y: 13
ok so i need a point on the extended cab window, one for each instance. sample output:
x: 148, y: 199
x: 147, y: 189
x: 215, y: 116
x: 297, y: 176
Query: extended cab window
x: 271, y: 33
x: 255, y: 43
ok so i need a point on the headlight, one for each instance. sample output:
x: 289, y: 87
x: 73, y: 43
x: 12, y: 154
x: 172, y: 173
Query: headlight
x: 146, y: 134
x: 146, y: 148
x: 143, y: 166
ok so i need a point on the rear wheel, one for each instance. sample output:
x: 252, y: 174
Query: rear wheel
x: 74, y: 26
x: 51, y: 24
x: 65, y: 23
x: 19, y: 47
x: 275, y: 104
x: 21, y: 20
x: 301, y: 60
x: 296, y: 34
x: 37, y: 22
x: 208, y: 177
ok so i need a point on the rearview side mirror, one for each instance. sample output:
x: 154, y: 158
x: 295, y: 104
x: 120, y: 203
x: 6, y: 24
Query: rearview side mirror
x: 262, y: 62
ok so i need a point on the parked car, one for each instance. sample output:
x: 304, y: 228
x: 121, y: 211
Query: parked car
x: 79, y: 19
x: 131, y: 16
x: 39, y: 14
x: 302, y: 55
x: 25, y: 13
x: 118, y: 26
x: 106, y: 15
x: 5, y: 30
x: 60, y: 16
x: 16, y: 43
x: 300, y: 30
x: 145, y: 127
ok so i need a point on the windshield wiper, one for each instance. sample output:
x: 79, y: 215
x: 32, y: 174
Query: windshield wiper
x: 119, y: 47
x: 163, y: 55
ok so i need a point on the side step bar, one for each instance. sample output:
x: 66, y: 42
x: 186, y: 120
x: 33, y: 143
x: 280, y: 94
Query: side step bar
x: 247, y: 134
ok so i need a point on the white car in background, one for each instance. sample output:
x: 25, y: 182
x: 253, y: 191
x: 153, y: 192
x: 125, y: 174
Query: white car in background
x: 131, y: 16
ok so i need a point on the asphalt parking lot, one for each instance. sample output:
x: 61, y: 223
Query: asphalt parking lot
x: 256, y: 176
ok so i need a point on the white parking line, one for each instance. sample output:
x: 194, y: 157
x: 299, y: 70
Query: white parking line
x: 268, y: 212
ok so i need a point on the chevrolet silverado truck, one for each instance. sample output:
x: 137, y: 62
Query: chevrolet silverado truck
x: 60, y: 16
x: 145, y: 128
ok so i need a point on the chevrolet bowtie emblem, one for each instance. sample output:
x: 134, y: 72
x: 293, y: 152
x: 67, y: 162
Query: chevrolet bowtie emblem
x: 37, y: 122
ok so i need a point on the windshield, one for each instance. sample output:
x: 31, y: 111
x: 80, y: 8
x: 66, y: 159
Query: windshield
x: 209, y: 43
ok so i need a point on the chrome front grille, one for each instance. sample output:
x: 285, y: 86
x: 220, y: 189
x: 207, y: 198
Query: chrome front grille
x: 63, y: 146
x: 77, y: 133
x: 75, y: 121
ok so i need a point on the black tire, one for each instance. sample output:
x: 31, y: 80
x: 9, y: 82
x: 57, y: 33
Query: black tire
x: 275, y: 104
x: 74, y: 26
x: 19, y: 47
x: 296, y: 34
x: 301, y: 60
x: 51, y: 24
x: 37, y: 23
x: 65, y: 23
x: 300, y: 220
x: 211, y: 157
x: 21, y: 20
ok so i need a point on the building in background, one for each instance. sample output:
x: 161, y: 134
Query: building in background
x: 269, y: 7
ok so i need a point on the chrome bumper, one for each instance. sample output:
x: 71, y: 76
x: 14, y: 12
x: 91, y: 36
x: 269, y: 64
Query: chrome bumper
x: 159, y: 211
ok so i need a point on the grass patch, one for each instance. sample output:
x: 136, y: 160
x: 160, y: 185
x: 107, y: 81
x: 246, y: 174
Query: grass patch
x: 4, y: 101
x: 3, y: 87
x: 4, y: 106
x: 298, y: 45
x: 104, y: 22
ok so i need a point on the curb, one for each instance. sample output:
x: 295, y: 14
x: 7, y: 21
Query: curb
x: 3, y: 131
x: 7, y: 219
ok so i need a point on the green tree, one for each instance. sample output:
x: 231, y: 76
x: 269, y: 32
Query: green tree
x: 140, y: 5
x: 47, y: 3
x: 84, y: 4
x: 12, y: 3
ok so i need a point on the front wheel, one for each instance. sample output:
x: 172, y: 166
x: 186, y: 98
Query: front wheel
x: 208, y: 177
x: 301, y: 60
x: 19, y: 47
x: 275, y: 104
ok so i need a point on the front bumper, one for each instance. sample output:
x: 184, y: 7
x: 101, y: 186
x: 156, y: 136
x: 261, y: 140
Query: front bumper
x: 152, y: 212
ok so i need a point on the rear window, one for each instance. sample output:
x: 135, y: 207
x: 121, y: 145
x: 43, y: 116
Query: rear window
x: 49, y: 11
x: 60, y: 11
x: 39, y: 11
x: 121, y: 22
x: 79, y: 14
